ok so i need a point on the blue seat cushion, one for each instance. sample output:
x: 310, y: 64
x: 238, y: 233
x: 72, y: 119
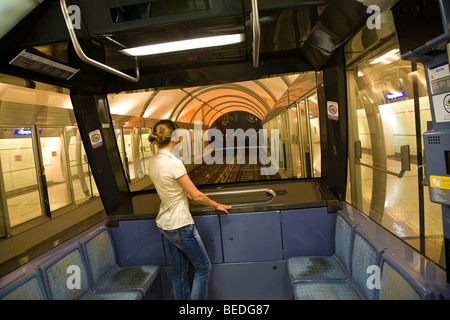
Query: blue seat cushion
x: 325, y: 291
x: 315, y: 268
x: 139, y: 278
x: 100, y: 254
x: 364, y: 256
x: 343, y: 241
x: 56, y: 274
x: 394, y: 287
x: 117, y: 295
x: 29, y: 287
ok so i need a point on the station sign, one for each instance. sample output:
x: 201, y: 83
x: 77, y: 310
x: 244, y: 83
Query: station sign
x: 395, y: 95
x: 24, y: 132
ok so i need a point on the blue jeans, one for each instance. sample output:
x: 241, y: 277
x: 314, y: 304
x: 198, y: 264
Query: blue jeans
x: 186, y: 245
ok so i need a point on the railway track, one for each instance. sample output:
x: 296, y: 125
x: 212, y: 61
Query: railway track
x: 229, y: 173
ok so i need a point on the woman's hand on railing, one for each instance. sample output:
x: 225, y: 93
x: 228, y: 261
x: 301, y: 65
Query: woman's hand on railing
x: 222, y: 207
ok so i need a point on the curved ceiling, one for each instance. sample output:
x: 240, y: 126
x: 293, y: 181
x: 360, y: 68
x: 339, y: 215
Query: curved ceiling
x: 184, y: 105
x: 207, y: 103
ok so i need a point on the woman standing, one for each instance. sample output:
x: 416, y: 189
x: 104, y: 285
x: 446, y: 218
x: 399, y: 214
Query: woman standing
x: 174, y: 219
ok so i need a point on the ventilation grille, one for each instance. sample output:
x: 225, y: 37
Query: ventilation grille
x: 434, y: 140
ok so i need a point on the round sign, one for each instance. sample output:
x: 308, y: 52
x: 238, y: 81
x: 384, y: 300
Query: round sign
x: 332, y: 109
x: 447, y: 103
x: 95, y: 137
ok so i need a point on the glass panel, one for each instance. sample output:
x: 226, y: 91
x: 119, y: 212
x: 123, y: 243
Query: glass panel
x: 381, y: 120
x: 279, y: 124
x: 132, y: 151
x: 127, y: 153
x: 434, y: 238
x: 285, y: 143
x: 19, y: 175
x: 55, y: 163
x: 294, y: 127
x: 120, y: 144
x: 83, y: 183
x: 314, y: 131
x: 384, y: 126
x: 295, y: 142
x: 284, y: 151
x: 305, y: 140
x: 137, y: 153
x: 147, y: 151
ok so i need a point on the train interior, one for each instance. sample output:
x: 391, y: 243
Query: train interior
x: 309, y: 117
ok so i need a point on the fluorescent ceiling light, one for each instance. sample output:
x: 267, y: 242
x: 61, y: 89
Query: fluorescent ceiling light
x: 185, y: 45
x: 385, y: 56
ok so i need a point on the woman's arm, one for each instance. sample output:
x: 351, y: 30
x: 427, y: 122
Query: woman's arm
x: 198, y: 196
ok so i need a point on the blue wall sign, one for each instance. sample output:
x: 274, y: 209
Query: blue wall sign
x: 395, y: 95
x: 24, y: 132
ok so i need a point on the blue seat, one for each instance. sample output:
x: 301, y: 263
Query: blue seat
x: 106, y: 274
x: 335, y: 267
x: 57, y: 274
x: 325, y: 291
x: 364, y: 254
x: 398, y: 282
x: 28, y: 287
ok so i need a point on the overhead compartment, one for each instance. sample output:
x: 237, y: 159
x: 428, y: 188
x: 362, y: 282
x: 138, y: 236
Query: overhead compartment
x: 105, y: 28
x: 136, y: 23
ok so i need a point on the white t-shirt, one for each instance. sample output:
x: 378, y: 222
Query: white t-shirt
x: 164, y: 170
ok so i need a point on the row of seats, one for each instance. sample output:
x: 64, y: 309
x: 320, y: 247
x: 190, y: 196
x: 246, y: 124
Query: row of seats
x: 358, y: 269
x: 85, y: 269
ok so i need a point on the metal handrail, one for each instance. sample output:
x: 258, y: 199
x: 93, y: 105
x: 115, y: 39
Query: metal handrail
x: 256, y: 29
x: 398, y: 175
x: 245, y: 191
x: 405, y: 160
x: 85, y: 58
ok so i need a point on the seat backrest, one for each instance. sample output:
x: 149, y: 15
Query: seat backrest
x: 28, y: 287
x: 65, y: 275
x: 394, y: 286
x: 364, y: 255
x: 100, y: 254
x: 343, y: 241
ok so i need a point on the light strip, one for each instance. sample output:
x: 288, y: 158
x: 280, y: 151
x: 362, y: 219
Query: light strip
x: 385, y: 56
x: 185, y: 45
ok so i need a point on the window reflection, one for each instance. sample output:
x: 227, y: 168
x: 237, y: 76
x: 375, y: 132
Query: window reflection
x: 83, y: 184
x: 43, y: 168
x: 300, y: 154
x: 55, y: 163
x: 382, y: 117
x: 314, y: 131
x: 19, y: 175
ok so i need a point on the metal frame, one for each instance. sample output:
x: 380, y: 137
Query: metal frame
x: 405, y: 160
x: 85, y: 58
x: 256, y: 32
